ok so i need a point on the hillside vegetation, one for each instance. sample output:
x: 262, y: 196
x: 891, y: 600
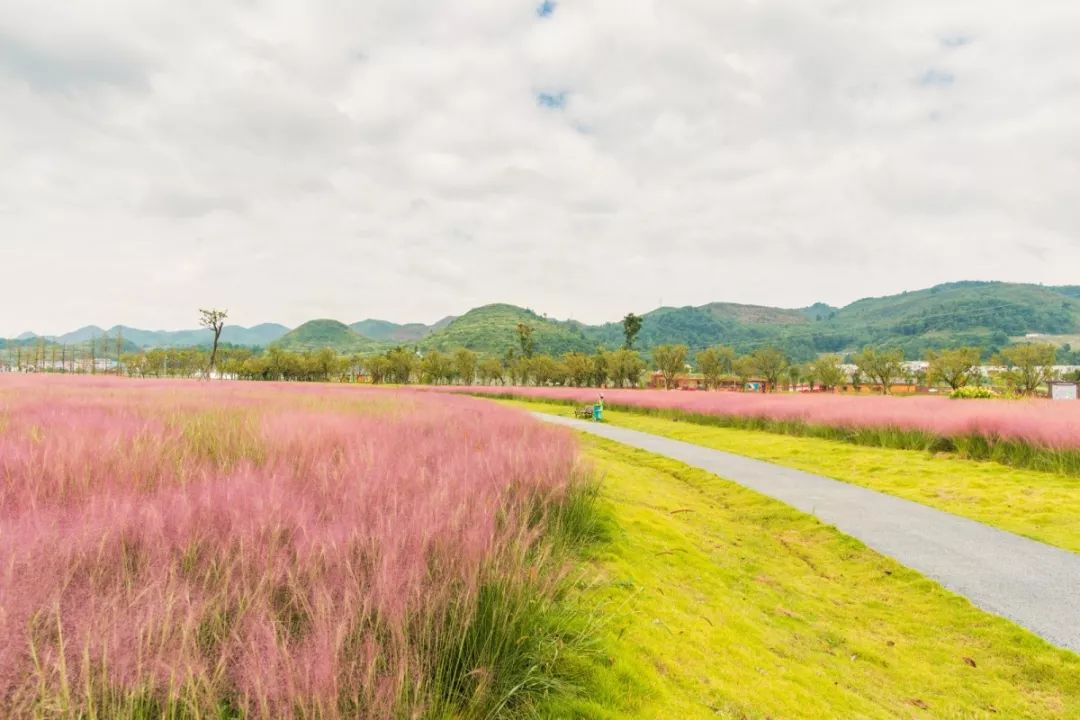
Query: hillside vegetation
x: 394, y: 332
x: 318, y: 334
x: 493, y: 329
x: 984, y: 314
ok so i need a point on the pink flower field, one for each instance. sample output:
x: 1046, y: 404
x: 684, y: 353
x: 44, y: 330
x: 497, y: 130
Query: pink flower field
x: 203, y: 549
x: 1042, y: 423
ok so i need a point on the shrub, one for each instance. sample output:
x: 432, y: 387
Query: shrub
x: 972, y: 392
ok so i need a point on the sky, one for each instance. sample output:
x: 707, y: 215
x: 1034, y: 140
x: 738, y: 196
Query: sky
x: 410, y: 159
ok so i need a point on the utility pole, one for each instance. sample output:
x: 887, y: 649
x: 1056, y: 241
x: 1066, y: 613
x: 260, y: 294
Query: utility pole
x: 119, y: 347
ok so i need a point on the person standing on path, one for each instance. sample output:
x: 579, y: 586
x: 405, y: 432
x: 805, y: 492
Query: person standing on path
x: 598, y: 409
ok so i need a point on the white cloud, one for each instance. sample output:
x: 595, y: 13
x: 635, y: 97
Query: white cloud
x: 392, y: 158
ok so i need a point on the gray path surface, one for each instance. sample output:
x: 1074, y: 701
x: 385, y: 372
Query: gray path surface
x: 1033, y: 584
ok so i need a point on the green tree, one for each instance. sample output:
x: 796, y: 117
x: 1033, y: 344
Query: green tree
x: 601, y: 371
x: 490, y: 370
x: 378, y: 368
x: 465, y: 362
x: 400, y: 365
x: 631, y: 327
x: 1028, y: 366
x: 625, y: 367
x: 883, y: 367
x: 826, y: 372
x: 771, y: 364
x: 579, y: 368
x: 727, y: 357
x: 710, y: 364
x: 232, y: 362
x: 743, y: 369
x: 525, y: 339
x: 520, y: 371
x: 955, y: 368
x: 670, y: 360
x: 546, y: 370
x: 325, y: 364
x: 435, y: 368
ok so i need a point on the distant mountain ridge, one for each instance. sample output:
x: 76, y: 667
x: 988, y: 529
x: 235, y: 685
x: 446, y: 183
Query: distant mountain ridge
x: 259, y: 335
x: 988, y: 314
x: 393, y: 332
x: 318, y: 334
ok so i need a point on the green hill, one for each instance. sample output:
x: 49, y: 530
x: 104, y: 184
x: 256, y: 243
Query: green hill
x: 987, y: 314
x: 257, y: 336
x: 83, y: 334
x: 980, y: 313
x: 493, y: 329
x: 963, y: 313
x: 1005, y: 307
x: 384, y: 330
x: 817, y: 311
x: 393, y: 332
x: 318, y: 334
x: 103, y: 346
x: 699, y: 327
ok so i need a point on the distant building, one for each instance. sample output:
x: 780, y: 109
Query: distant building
x: 696, y: 381
x: 683, y: 381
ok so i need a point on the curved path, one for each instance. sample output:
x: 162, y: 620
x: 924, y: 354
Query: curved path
x: 1033, y: 584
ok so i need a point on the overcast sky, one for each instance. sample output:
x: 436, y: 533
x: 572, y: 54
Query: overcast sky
x: 408, y: 159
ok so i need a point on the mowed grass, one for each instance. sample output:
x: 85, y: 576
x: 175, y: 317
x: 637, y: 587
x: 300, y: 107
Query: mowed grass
x: 1041, y: 505
x: 719, y: 602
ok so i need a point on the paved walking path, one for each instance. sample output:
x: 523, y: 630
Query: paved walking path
x: 1033, y: 584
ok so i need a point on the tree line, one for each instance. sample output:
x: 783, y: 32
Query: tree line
x: 1022, y: 368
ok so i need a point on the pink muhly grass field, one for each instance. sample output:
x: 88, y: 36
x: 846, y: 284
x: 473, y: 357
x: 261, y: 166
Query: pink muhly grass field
x: 1043, y: 423
x: 275, y: 550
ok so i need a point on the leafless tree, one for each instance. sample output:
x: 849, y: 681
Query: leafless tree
x: 213, y: 320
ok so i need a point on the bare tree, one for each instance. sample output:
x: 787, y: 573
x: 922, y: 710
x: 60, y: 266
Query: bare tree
x: 213, y: 320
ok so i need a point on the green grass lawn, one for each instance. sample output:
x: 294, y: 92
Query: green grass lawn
x: 1040, y: 505
x: 715, y: 601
